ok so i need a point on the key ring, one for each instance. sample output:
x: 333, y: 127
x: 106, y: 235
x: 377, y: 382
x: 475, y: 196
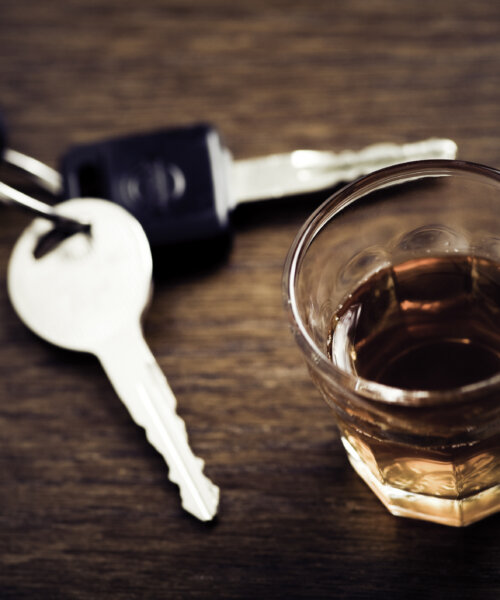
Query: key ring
x: 46, y: 177
x: 49, y: 180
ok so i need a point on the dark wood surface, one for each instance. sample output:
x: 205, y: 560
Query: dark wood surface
x: 86, y: 510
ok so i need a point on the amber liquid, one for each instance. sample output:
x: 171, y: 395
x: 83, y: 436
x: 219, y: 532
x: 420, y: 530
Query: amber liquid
x: 427, y: 324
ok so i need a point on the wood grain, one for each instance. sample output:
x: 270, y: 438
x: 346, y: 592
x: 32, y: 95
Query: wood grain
x: 86, y: 510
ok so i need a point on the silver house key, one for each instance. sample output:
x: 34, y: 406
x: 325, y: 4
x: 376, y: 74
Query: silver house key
x: 88, y: 294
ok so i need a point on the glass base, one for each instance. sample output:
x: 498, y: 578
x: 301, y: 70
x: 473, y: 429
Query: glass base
x: 457, y: 513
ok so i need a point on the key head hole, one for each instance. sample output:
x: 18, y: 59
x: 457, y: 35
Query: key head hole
x: 56, y: 235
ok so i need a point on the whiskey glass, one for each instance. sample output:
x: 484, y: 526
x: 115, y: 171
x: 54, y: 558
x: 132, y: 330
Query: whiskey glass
x: 425, y: 434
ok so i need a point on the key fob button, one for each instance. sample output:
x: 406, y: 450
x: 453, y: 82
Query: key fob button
x: 152, y: 187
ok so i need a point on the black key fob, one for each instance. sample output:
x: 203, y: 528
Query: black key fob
x: 174, y: 181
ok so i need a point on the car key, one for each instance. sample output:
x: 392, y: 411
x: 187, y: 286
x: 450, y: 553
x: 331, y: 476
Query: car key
x: 182, y: 184
x: 88, y: 294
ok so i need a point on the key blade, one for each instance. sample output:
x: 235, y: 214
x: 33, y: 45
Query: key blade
x: 305, y: 171
x: 200, y: 497
x: 143, y: 388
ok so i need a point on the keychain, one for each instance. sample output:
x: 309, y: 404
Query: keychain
x: 83, y: 283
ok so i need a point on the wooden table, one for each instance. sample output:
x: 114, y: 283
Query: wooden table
x: 86, y: 510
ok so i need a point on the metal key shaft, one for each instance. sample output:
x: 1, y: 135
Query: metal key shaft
x: 305, y: 171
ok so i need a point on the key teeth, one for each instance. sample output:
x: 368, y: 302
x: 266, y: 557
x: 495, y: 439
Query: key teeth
x: 165, y: 429
x: 205, y: 508
x: 181, y: 425
x: 209, y: 510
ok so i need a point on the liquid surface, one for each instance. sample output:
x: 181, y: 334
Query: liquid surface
x: 428, y: 324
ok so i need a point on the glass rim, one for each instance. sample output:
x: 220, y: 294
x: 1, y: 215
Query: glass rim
x: 350, y: 193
